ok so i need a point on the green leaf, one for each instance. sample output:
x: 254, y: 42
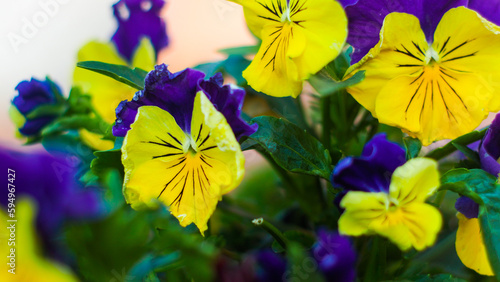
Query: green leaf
x: 463, y: 140
x: 291, y: 147
x: 47, y: 110
x: 76, y: 122
x: 413, y: 147
x: 105, y: 161
x: 78, y: 102
x: 242, y: 51
x: 326, y: 85
x: 468, y: 152
x: 481, y: 187
x: 132, y: 77
x: 338, y: 67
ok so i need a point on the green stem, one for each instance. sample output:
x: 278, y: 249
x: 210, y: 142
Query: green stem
x: 449, y: 148
x: 439, y: 198
x: 377, y: 260
x: 327, y: 123
x: 271, y: 229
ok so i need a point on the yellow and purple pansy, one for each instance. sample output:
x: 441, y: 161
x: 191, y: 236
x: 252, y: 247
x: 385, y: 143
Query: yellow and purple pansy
x: 181, y: 143
x: 432, y: 69
x: 385, y: 195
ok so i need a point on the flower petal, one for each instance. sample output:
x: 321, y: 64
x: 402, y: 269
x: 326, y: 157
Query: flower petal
x: 470, y: 245
x: 188, y: 173
x: 414, y: 181
x: 362, y: 209
x: 373, y: 170
x: 401, y: 47
x: 489, y: 151
x: 415, y: 224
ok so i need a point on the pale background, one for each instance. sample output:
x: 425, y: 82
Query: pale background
x: 197, y: 29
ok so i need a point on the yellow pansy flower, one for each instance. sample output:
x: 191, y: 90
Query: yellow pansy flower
x: 432, y: 91
x: 401, y: 215
x: 299, y: 37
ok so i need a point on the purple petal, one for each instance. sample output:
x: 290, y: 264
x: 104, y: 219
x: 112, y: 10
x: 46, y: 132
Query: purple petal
x: 33, y: 126
x: 467, y: 207
x: 489, y: 9
x: 372, y: 171
x: 229, y: 102
x: 175, y: 93
x: 32, y: 94
x: 346, y: 3
x: 489, y: 150
x: 138, y: 19
x: 366, y: 18
x: 335, y: 256
x: 433, y: 11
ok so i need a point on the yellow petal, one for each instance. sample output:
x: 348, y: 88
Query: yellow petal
x: 144, y: 56
x: 324, y: 25
x: 415, y: 224
x: 272, y: 71
x: 187, y: 172
x: 471, y: 48
x: 362, y: 210
x: 437, y: 104
x: 298, y: 40
x: 106, y: 92
x: 414, y: 181
x: 470, y: 246
x: 400, y: 32
x: 30, y: 265
x: 95, y: 140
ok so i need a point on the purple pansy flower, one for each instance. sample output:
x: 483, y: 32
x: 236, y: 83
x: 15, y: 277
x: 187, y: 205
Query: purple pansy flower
x: 138, y: 19
x: 335, y: 256
x: 50, y: 182
x: 33, y: 94
x: 372, y: 171
x: 175, y: 93
x: 367, y: 16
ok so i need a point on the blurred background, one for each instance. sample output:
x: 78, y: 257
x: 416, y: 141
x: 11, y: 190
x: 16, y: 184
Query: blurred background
x: 42, y: 37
